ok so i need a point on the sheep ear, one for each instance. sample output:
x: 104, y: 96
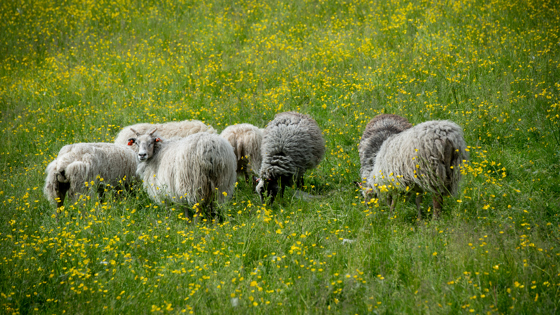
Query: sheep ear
x: 135, y: 132
x: 152, y: 132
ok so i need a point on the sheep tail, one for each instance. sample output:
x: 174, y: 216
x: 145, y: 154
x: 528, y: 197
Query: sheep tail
x: 51, y: 182
x: 56, y: 183
x: 240, y: 145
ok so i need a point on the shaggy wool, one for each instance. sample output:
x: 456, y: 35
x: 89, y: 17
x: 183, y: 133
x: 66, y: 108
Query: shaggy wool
x: 426, y: 157
x: 197, y: 169
x: 83, y: 162
x: 246, y: 141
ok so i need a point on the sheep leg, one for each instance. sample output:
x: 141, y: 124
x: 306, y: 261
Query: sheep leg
x: 392, y: 204
x: 272, y: 198
x: 300, y: 182
x: 438, y: 202
x: 284, y: 181
x: 418, y: 203
x: 101, y: 193
x: 215, y: 214
x: 282, y: 190
x: 198, y: 214
x: 61, y: 189
x: 186, y: 213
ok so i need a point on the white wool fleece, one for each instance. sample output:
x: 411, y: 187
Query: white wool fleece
x: 246, y: 141
x: 83, y: 162
x: 427, y: 157
x: 192, y: 170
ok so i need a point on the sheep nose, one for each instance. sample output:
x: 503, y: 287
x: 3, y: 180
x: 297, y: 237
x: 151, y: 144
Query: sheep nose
x: 142, y: 155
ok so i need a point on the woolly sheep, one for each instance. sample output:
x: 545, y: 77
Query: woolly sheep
x: 377, y: 131
x: 246, y: 141
x: 171, y: 130
x: 83, y: 162
x: 292, y: 144
x: 197, y: 169
x: 424, y: 158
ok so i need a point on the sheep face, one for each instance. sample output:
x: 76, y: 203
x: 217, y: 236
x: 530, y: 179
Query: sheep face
x: 145, y: 144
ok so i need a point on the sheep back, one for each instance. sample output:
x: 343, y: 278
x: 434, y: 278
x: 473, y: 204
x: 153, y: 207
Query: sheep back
x: 83, y: 162
x: 246, y: 141
x: 189, y: 170
x: 292, y: 144
x: 377, y: 131
x: 170, y: 130
x: 427, y: 156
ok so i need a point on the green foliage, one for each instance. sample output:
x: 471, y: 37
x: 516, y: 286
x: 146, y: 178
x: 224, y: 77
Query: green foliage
x: 79, y: 71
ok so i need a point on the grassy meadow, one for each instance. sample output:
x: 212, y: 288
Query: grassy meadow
x: 78, y: 71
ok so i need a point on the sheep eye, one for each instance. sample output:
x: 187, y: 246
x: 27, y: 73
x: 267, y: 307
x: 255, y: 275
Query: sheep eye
x: 130, y: 141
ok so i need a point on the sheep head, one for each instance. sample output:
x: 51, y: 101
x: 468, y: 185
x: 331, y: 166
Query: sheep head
x: 268, y: 185
x: 147, y: 144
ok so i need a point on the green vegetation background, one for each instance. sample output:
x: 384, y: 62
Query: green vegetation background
x: 78, y: 71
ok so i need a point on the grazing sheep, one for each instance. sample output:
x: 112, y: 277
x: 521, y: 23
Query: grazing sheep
x: 377, y: 131
x: 169, y: 131
x: 424, y: 158
x: 83, y: 162
x: 197, y: 169
x: 246, y: 141
x: 292, y: 144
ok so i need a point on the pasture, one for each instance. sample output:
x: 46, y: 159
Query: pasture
x: 79, y: 71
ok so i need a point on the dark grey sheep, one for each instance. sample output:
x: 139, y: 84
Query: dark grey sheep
x: 292, y: 144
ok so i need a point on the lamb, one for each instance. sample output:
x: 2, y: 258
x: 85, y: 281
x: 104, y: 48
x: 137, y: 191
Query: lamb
x: 171, y: 130
x: 83, y: 162
x: 423, y: 158
x: 246, y: 141
x: 194, y: 170
x: 292, y: 144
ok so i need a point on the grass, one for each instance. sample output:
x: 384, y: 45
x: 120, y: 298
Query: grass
x: 79, y: 71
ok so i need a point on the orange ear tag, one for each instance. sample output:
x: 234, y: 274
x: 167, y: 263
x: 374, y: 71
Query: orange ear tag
x: 130, y: 142
x: 158, y: 139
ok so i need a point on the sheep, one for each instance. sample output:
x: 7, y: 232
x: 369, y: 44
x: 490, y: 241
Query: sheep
x: 171, y: 130
x: 292, y: 144
x: 246, y: 141
x: 194, y: 170
x: 83, y: 162
x: 423, y: 158
x: 377, y: 131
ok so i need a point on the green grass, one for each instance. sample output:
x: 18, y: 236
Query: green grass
x: 79, y: 71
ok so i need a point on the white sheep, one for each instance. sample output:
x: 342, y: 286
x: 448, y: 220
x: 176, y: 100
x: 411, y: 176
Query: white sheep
x: 424, y: 158
x: 171, y: 130
x: 292, y: 144
x: 83, y: 162
x: 377, y: 131
x: 197, y: 169
x: 246, y: 141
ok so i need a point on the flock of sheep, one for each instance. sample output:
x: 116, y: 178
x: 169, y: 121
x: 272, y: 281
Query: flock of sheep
x: 187, y: 162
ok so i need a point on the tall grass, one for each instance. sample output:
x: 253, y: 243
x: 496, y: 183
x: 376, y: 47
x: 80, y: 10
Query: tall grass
x: 79, y: 71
